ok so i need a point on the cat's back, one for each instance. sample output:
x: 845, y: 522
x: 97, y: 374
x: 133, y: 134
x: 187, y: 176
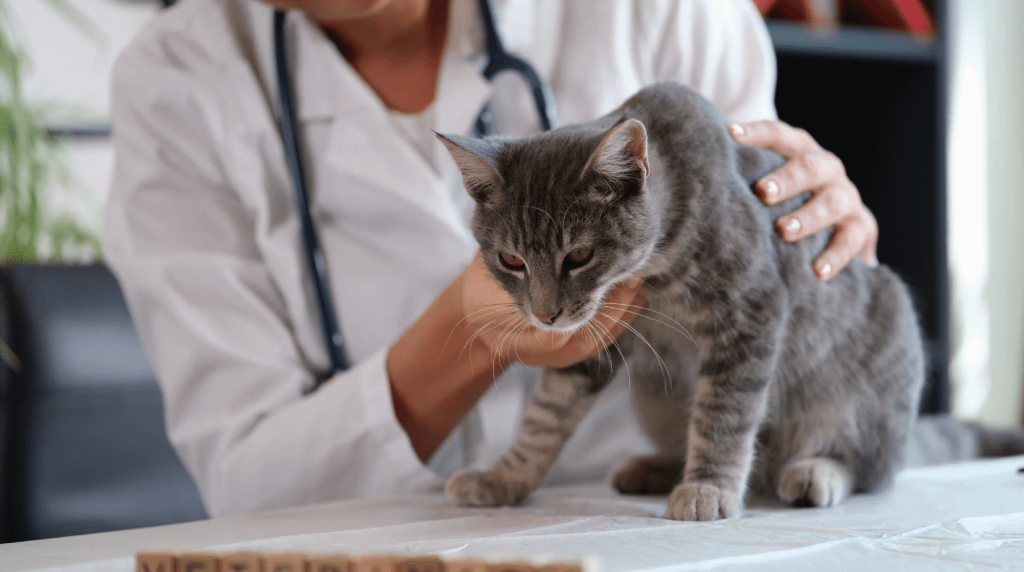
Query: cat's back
x: 671, y: 103
x: 675, y: 115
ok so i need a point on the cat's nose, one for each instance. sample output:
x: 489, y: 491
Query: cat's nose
x: 548, y: 318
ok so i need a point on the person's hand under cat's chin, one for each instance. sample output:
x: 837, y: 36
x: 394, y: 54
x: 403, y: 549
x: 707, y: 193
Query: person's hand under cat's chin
x: 490, y: 314
x: 835, y: 202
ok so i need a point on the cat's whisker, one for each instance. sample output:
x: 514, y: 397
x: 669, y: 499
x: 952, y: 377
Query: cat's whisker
x: 666, y: 374
x: 502, y: 340
x: 625, y: 362
x: 569, y: 209
x: 600, y: 341
x: 483, y: 330
x: 543, y: 211
x: 491, y: 308
x: 682, y: 330
x: 519, y: 337
x: 515, y: 336
x: 589, y: 332
x: 523, y: 331
x: 496, y: 348
x: 653, y: 288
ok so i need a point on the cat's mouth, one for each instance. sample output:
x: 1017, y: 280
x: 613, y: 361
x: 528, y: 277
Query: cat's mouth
x: 563, y: 324
x: 568, y: 328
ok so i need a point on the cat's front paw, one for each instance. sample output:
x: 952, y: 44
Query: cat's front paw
x: 703, y: 501
x: 481, y: 488
x: 817, y: 481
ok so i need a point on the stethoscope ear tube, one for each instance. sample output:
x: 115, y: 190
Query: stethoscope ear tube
x: 333, y: 342
x: 498, y: 60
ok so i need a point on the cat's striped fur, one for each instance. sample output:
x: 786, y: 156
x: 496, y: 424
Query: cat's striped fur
x: 797, y: 386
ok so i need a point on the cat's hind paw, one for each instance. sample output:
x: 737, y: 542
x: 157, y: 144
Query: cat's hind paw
x: 703, y: 501
x: 818, y: 481
x: 481, y: 488
x: 647, y: 475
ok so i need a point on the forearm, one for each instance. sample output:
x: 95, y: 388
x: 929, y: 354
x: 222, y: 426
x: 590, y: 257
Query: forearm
x: 437, y: 372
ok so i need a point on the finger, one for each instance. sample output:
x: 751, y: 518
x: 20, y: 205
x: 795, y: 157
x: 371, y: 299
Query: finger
x: 847, y: 240
x: 868, y: 253
x: 826, y: 208
x: 801, y: 173
x: 778, y: 136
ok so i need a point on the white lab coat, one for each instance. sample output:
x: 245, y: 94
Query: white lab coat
x: 202, y: 233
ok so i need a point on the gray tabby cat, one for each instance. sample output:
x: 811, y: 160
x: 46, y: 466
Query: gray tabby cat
x: 822, y: 380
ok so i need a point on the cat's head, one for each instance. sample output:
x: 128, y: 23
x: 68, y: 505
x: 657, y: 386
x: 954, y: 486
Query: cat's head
x: 561, y: 217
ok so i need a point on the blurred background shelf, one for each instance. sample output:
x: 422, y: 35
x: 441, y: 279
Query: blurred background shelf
x: 851, y: 42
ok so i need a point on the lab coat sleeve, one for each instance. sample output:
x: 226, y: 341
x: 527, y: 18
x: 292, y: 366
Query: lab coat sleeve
x: 207, y: 310
x: 719, y: 48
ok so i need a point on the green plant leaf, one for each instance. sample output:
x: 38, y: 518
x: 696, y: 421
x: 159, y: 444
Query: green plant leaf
x: 31, y: 162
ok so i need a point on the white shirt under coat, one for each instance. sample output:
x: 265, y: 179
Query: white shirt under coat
x: 202, y: 233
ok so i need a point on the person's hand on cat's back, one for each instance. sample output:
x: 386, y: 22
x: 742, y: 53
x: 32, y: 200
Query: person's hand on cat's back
x: 490, y: 313
x: 835, y: 202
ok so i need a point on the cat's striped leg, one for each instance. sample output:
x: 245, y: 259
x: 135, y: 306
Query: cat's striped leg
x: 727, y: 411
x: 558, y: 403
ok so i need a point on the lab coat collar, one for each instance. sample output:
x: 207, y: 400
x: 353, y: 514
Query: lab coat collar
x: 315, y: 61
x: 403, y: 172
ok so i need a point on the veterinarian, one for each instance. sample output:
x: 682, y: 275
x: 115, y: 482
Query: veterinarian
x: 203, y: 234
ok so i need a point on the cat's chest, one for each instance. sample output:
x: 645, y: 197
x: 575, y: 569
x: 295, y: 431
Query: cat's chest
x: 667, y: 326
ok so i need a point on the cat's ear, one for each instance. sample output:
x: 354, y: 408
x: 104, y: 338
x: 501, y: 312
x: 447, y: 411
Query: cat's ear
x: 622, y: 156
x: 476, y: 159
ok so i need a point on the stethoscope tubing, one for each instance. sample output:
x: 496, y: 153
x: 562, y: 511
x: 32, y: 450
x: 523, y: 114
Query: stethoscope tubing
x: 498, y: 60
x: 334, y: 343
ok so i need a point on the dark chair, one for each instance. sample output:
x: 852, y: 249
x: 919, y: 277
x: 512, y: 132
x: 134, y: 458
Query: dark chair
x: 84, y: 446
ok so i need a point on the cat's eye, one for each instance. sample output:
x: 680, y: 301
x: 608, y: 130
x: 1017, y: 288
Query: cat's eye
x: 577, y: 258
x: 511, y: 261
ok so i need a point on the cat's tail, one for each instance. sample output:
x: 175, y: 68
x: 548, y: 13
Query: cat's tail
x: 940, y: 439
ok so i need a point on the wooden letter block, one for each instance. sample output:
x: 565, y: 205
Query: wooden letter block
x: 376, y: 564
x: 511, y: 566
x: 198, y: 562
x: 331, y: 563
x: 298, y: 562
x: 291, y: 562
x: 561, y: 567
x: 155, y: 562
x: 420, y: 564
x: 467, y: 565
x: 241, y: 562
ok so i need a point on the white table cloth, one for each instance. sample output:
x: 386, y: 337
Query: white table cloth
x: 958, y: 517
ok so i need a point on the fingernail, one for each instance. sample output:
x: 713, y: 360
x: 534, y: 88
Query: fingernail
x: 736, y: 129
x: 874, y: 262
x: 792, y: 226
x: 771, y: 189
x: 824, y: 270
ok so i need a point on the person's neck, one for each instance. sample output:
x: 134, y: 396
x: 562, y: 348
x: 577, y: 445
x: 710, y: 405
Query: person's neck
x: 397, y: 50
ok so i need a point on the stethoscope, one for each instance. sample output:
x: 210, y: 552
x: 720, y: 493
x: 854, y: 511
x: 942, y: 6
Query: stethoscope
x: 498, y: 60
